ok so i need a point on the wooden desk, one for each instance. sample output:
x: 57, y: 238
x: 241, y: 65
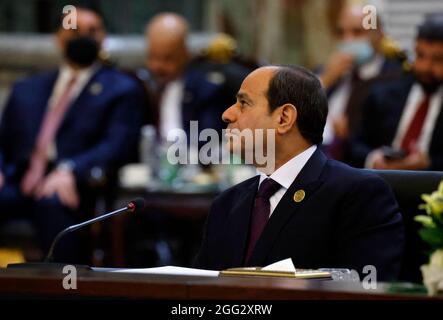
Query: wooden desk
x: 94, y: 284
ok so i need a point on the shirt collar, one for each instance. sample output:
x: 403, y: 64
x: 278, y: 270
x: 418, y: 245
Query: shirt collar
x: 67, y: 72
x: 419, y: 91
x: 286, y: 174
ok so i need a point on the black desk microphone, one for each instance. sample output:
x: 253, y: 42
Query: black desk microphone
x: 133, y: 206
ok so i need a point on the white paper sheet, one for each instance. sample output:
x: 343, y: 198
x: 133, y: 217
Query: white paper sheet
x: 172, y: 270
x: 282, y: 265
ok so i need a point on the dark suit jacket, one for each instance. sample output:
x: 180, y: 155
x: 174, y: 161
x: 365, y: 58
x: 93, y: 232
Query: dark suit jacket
x: 348, y: 219
x: 382, y: 112
x: 203, y: 100
x: 100, y: 129
x: 391, y: 69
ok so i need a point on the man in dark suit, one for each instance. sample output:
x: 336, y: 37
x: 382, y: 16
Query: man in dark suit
x: 317, y: 211
x: 59, y: 128
x: 403, y: 119
x: 362, y: 58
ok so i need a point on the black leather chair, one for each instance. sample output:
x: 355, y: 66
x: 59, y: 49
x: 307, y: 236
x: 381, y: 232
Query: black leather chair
x: 408, y: 186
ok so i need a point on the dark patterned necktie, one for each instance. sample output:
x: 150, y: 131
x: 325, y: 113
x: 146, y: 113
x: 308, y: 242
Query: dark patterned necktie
x: 261, y: 212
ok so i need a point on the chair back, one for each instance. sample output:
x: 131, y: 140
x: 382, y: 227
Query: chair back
x: 408, y: 186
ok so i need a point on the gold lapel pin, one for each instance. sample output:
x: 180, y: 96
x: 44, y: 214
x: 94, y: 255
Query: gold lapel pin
x: 299, y: 195
x: 96, y: 88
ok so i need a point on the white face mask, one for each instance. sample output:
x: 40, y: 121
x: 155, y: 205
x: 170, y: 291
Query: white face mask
x: 361, y: 50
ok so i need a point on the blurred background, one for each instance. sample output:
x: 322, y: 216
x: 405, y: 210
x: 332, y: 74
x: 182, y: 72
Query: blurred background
x: 283, y: 31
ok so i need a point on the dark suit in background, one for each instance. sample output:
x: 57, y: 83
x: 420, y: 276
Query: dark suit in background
x: 206, y: 95
x: 348, y: 219
x: 359, y: 91
x: 99, y: 131
x: 360, y: 88
x: 382, y: 112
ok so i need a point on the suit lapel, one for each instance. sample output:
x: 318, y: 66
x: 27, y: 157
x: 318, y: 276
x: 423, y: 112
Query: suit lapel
x: 75, y: 104
x: 238, y: 226
x: 437, y: 132
x: 308, y: 181
x: 40, y: 104
x: 189, y: 99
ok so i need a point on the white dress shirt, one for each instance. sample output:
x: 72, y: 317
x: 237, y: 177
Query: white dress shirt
x: 415, y: 97
x: 286, y: 174
x: 66, y: 73
x: 170, y: 107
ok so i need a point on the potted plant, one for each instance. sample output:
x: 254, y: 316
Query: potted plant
x: 432, y: 233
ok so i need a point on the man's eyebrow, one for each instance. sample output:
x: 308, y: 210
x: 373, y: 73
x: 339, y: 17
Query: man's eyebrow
x: 244, y: 96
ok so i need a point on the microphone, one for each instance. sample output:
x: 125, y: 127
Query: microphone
x: 133, y: 206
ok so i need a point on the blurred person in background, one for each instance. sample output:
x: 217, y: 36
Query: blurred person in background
x: 180, y: 88
x: 361, y: 59
x: 59, y: 126
x: 403, y: 119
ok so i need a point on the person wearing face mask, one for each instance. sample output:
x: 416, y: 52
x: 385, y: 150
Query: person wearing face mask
x: 403, y: 119
x: 358, y: 62
x: 61, y: 126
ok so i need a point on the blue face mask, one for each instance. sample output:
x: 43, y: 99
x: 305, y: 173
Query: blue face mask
x: 361, y: 50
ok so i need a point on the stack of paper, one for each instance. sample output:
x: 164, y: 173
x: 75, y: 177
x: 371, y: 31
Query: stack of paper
x: 283, y: 268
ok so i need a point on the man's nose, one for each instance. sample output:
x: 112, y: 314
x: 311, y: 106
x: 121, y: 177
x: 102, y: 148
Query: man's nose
x: 229, y: 115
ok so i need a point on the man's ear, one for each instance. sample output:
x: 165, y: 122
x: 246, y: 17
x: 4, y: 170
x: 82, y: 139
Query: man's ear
x: 286, y: 118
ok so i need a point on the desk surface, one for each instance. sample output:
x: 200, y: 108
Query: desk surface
x: 95, y: 284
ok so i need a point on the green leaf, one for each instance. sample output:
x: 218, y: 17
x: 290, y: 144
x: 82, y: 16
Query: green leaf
x: 426, y: 221
x: 433, y: 236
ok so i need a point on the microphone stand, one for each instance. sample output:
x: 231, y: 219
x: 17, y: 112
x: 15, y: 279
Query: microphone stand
x: 132, y: 206
x: 50, y: 256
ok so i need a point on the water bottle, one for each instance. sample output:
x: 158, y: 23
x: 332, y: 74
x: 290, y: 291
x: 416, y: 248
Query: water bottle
x: 148, y: 148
